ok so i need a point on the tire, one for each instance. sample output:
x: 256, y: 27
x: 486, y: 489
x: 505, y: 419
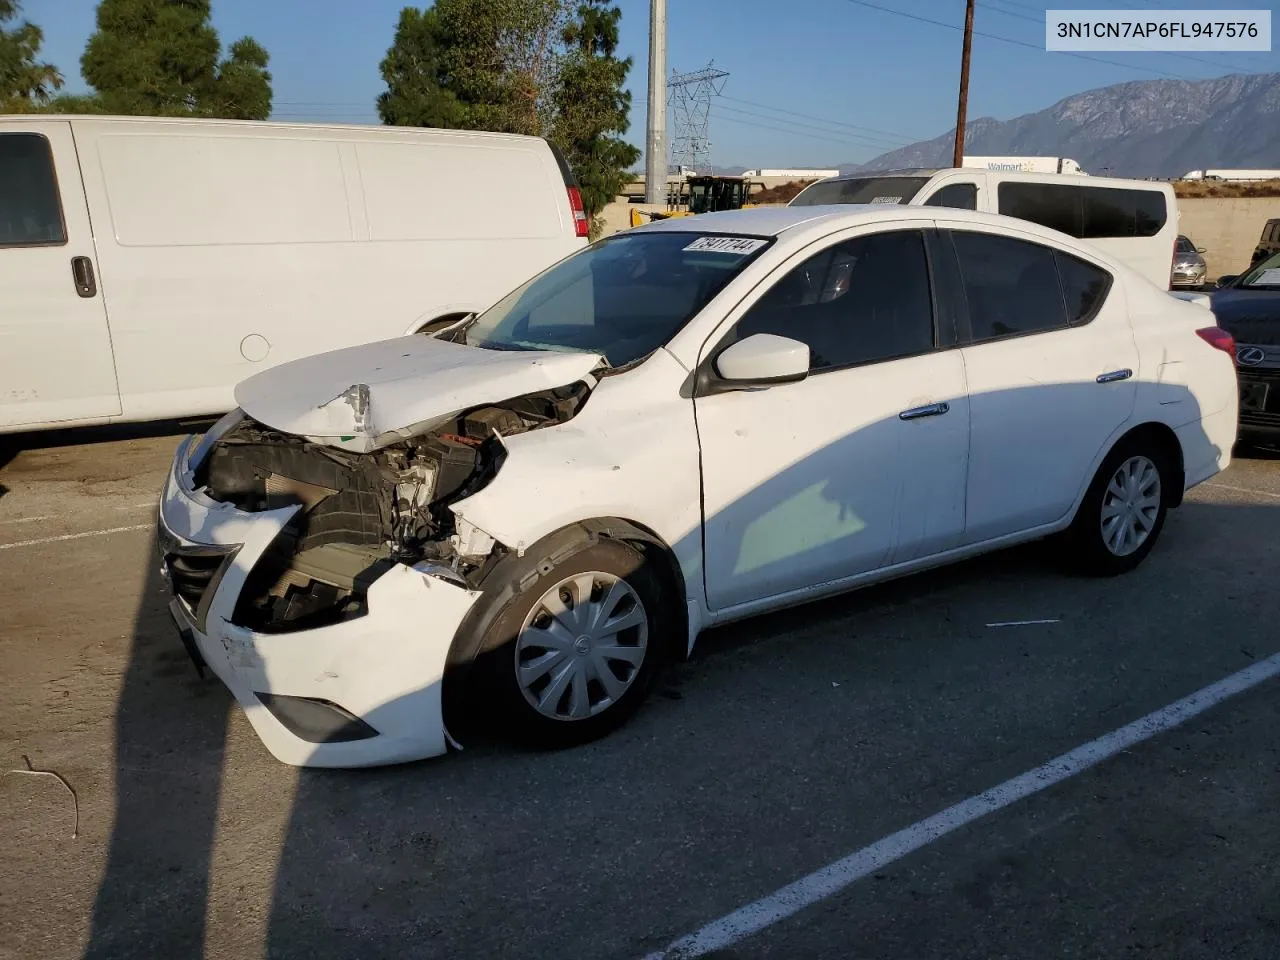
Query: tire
x: 1132, y: 486
x: 565, y: 699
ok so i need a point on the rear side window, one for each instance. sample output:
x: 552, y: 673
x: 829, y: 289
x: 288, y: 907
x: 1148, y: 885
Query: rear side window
x: 1086, y: 212
x: 30, y: 210
x: 962, y: 196
x: 1014, y: 287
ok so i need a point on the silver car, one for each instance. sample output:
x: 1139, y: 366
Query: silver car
x: 1188, y: 264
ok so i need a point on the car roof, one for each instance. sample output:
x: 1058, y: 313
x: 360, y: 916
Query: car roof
x: 775, y: 221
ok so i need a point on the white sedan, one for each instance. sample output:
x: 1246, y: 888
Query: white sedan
x: 680, y: 425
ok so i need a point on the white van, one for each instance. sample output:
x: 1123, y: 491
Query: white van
x: 149, y: 265
x: 1135, y: 221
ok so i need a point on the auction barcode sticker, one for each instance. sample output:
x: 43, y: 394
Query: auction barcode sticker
x: 741, y: 245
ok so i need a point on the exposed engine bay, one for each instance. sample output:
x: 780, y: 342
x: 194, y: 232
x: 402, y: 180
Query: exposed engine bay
x: 365, y: 512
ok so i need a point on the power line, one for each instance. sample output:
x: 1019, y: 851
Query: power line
x: 849, y: 137
x: 1041, y: 20
x: 903, y: 137
x: 795, y: 133
x: 1010, y: 40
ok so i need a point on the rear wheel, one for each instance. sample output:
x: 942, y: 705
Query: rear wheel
x: 1123, y: 513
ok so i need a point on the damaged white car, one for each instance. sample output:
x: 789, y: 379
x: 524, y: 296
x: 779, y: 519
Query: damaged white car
x: 680, y: 425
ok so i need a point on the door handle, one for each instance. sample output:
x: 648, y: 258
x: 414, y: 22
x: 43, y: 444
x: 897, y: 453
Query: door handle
x: 932, y: 410
x: 1115, y: 375
x: 82, y: 275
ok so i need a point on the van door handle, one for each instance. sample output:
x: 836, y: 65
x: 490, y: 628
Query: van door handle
x: 932, y: 410
x: 1114, y: 375
x: 82, y: 274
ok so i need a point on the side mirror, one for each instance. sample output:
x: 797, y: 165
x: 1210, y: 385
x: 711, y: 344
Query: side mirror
x: 1227, y: 280
x: 763, y: 359
x: 1201, y: 249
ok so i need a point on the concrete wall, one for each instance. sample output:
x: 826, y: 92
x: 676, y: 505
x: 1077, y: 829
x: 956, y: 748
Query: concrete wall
x: 1227, y: 229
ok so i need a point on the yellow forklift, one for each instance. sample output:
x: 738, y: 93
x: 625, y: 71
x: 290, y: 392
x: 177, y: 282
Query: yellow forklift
x: 707, y: 194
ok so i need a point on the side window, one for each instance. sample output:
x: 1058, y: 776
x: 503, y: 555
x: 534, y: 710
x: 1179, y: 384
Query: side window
x: 861, y: 301
x: 1084, y: 287
x: 963, y: 196
x: 1011, y: 286
x: 1085, y: 212
x: 30, y: 212
x: 1056, y: 207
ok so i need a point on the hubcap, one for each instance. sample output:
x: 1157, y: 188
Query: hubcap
x: 1130, y: 506
x: 581, y: 646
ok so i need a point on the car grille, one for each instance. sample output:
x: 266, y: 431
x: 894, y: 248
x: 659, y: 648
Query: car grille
x: 193, y: 572
x: 191, y: 575
x: 1259, y: 396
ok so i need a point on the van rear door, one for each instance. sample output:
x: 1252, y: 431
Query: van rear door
x: 56, y: 362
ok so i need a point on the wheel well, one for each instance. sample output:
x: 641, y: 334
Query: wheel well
x: 439, y: 323
x: 505, y: 578
x: 1163, y: 437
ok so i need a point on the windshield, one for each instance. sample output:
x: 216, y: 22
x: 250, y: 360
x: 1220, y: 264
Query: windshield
x: 1265, y: 275
x: 622, y: 297
x: 860, y: 190
x: 1185, y: 246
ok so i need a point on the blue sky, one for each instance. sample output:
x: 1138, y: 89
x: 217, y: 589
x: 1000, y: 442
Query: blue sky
x: 811, y: 82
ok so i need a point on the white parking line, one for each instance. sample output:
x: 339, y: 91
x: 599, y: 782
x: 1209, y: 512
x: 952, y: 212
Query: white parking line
x: 1256, y: 493
x: 833, y: 878
x: 75, y: 536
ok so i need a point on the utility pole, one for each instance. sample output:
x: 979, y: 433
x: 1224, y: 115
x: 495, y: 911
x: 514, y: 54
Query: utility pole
x: 655, y: 148
x: 957, y: 158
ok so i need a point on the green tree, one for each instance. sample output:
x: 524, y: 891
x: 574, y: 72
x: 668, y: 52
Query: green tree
x: 413, y: 71
x: 161, y: 58
x: 25, y: 83
x: 592, y: 107
x: 540, y: 67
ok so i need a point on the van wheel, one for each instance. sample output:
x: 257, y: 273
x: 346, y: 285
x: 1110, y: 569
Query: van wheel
x: 1123, y: 512
x: 575, y: 648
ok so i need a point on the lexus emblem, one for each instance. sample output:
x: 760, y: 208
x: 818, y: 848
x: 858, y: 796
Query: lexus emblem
x: 1251, y: 356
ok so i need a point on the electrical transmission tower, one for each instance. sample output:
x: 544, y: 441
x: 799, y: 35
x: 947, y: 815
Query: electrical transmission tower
x: 690, y: 95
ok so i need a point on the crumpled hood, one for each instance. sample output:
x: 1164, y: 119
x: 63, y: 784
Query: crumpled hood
x: 361, y: 398
x: 1251, y: 316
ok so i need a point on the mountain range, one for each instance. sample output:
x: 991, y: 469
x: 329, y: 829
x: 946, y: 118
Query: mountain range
x: 1148, y: 128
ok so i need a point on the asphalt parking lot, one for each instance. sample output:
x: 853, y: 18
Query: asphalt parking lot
x: 787, y: 743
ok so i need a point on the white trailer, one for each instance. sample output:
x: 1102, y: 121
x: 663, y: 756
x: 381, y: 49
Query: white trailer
x: 1025, y: 164
x: 1232, y: 176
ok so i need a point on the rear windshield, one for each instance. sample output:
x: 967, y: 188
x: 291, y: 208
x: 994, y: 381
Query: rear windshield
x: 622, y: 297
x: 860, y: 190
x: 1265, y: 275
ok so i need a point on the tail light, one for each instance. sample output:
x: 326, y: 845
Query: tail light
x: 580, y: 225
x: 1219, y: 338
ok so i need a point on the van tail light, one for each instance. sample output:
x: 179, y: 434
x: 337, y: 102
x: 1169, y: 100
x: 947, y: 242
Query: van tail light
x: 1217, y: 337
x: 580, y: 225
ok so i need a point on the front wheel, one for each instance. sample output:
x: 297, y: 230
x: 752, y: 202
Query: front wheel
x: 1123, y: 512
x: 573, y: 651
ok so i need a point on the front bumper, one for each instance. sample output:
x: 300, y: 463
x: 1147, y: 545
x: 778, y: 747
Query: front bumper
x: 382, y: 671
x: 1187, y: 278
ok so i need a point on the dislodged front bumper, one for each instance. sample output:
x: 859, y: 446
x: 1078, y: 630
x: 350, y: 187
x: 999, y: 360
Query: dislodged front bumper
x: 363, y: 692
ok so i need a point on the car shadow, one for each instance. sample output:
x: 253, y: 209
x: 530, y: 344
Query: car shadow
x: 354, y: 876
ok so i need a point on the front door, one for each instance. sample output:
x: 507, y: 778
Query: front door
x: 55, y: 349
x: 859, y: 466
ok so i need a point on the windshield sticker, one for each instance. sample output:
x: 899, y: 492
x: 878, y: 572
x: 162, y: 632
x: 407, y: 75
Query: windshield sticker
x: 739, y: 245
x: 1267, y: 277
x: 887, y: 200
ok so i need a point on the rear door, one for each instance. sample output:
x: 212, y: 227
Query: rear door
x: 56, y: 361
x: 1050, y: 358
